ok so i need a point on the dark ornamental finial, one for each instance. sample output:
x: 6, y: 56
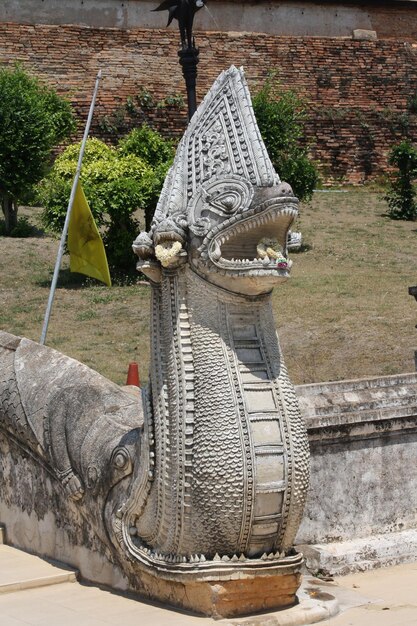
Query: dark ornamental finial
x: 183, y: 11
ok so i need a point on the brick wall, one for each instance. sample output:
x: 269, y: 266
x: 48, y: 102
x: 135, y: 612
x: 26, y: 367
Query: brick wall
x: 358, y: 92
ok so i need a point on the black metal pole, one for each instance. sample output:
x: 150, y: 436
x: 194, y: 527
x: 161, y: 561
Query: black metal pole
x: 184, y: 11
x: 189, y: 60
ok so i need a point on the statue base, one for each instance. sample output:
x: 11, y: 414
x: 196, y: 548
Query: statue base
x: 224, y: 599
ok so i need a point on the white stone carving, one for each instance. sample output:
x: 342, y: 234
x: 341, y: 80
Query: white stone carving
x: 203, y: 477
x: 231, y: 453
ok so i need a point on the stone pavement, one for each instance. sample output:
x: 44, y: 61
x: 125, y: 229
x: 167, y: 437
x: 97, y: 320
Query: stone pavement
x: 391, y: 594
x: 35, y: 592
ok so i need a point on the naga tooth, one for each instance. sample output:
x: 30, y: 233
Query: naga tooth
x: 216, y: 557
x: 242, y: 557
x: 265, y: 261
x: 184, y: 559
x: 202, y: 557
x: 216, y: 253
x: 270, y: 556
x: 234, y: 558
x: 225, y: 558
x: 191, y: 559
x: 264, y: 556
x: 277, y: 555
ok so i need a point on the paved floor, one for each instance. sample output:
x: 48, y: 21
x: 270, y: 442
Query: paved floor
x: 392, y: 595
x: 386, y: 597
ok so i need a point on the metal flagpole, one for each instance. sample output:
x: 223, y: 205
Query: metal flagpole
x: 68, y: 215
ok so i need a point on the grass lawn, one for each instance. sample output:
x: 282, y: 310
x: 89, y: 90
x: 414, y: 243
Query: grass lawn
x: 345, y: 312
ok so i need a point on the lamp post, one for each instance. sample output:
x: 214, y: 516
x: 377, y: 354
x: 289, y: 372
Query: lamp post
x: 184, y: 11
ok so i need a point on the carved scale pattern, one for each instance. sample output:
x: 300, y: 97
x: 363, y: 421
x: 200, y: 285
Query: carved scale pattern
x: 218, y: 461
x: 275, y: 404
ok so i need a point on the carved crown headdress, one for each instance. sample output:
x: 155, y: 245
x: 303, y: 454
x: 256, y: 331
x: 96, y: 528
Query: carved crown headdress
x: 222, y: 139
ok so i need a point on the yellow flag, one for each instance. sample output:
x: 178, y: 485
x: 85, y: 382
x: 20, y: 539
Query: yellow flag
x: 87, y: 254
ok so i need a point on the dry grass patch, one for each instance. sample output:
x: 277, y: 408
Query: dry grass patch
x: 345, y: 313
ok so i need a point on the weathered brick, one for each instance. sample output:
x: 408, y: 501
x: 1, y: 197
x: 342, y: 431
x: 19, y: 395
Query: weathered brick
x: 357, y: 91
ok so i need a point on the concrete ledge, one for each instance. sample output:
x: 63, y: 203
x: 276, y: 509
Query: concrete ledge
x: 363, y: 443
x: 360, y: 555
x: 20, y: 570
x: 366, y: 407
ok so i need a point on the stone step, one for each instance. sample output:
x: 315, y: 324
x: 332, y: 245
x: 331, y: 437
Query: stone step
x: 20, y: 570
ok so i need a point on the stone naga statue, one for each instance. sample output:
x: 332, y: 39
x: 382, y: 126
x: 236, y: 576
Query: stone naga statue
x: 202, y: 480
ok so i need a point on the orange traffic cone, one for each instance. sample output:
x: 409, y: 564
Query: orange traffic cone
x: 133, y: 375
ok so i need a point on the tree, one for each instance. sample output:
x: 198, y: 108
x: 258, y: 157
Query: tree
x: 158, y: 153
x: 117, y: 182
x: 33, y: 120
x: 280, y: 115
x: 401, y: 192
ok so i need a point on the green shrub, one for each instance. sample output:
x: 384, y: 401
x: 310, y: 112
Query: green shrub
x: 401, y: 192
x: 148, y: 145
x: 280, y: 115
x: 33, y: 120
x: 22, y: 229
x: 117, y: 182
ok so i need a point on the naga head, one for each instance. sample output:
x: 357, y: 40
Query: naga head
x: 223, y: 209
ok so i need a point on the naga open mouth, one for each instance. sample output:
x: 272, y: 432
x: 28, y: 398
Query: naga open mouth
x: 240, y: 249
